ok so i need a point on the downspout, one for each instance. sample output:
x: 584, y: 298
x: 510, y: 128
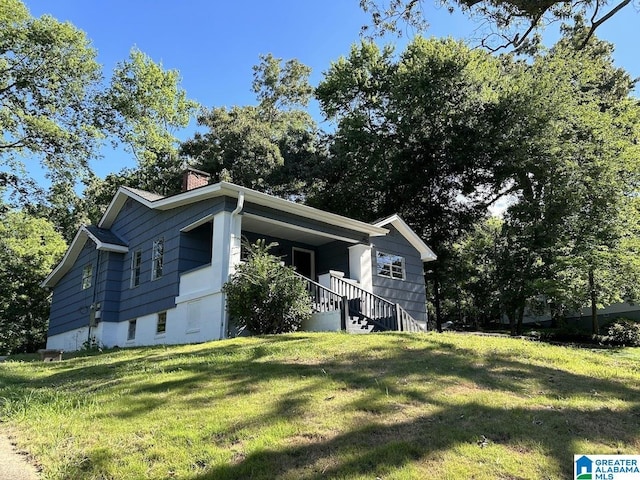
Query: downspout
x: 240, y: 205
x: 93, y: 307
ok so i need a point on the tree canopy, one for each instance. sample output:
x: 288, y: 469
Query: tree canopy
x: 48, y: 81
x: 29, y: 248
x: 507, y: 23
x: 270, y: 146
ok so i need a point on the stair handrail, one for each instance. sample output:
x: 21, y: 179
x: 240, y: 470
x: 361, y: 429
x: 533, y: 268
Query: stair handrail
x: 324, y: 299
x: 379, y: 310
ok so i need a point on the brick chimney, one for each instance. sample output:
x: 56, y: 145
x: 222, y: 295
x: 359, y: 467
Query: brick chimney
x: 193, y: 178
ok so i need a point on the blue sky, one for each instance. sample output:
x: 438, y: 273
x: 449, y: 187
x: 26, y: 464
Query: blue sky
x: 214, y: 43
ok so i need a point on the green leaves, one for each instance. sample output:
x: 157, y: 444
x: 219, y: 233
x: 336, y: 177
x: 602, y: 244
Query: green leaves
x: 265, y: 296
x: 47, y: 79
x: 29, y: 248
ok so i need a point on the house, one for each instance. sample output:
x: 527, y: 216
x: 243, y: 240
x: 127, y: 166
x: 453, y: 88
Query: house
x: 152, y: 270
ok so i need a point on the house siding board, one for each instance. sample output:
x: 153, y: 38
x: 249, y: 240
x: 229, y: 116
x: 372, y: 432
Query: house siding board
x: 333, y: 256
x: 308, y: 223
x: 195, y: 247
x: 110, y: 297
x: 70, y: 304
x: 409, y: 293
x: 140, y: 226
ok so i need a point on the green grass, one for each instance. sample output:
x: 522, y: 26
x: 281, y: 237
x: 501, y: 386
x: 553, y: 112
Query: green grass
x: 312, y: 406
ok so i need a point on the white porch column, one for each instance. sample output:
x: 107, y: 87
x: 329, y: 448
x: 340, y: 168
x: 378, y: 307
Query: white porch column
x: 220, y: 263
x: 360, y: 266
x: 221, y: 251
x: 235, y: 247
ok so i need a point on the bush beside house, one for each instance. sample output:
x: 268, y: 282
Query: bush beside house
x: 264, y: 296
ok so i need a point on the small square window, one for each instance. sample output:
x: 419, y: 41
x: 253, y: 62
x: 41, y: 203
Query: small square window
x: 131, y: 333
x: 390, y: 266
x: 136, y: 263
x: 161, y: 326
x: 87, y: 276
x: 157, y: 259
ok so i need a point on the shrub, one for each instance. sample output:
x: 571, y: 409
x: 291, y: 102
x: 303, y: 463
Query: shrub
x: 264, y: 296
x: 624, y: 332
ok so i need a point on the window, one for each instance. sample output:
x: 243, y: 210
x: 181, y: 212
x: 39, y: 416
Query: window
x: 136, y: 261
x: 157, y: 259
x: 390, y: 266
x: 131, y: 333
x: 161, y: 326
x: 87, y: 276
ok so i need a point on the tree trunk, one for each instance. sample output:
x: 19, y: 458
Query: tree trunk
x: 436, y: 300
x: 595, y: 328
x: 520, y: 318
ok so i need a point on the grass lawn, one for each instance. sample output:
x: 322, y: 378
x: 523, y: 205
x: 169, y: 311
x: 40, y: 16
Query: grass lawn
x: 312, y: 406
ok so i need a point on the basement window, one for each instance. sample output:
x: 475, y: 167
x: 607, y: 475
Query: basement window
x: 161, y: 326
x: 131, y: 333
x: 390, y: 266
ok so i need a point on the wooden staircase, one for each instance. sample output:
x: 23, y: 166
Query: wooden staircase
x: 360, y: 311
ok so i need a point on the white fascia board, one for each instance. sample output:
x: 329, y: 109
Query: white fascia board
x: 72, y: 253
x: 301, y: 210
x: 426, y: 254
x: 232, y: 190
x: 107, y: 247
x: 118, y: 202
x: 77, y: 244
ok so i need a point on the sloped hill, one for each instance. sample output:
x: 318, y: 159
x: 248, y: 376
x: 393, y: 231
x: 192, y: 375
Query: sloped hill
x: 307, y: 406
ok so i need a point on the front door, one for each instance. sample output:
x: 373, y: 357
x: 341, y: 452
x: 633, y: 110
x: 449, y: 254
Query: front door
x: 304, y: 262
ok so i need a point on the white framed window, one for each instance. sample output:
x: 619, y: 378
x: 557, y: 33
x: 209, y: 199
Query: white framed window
x: 87, y: 276
x: 136, y: 264
x: 157, y: 259
x: 390, y: 266
x: 161, y: 325
x: 131, y: 332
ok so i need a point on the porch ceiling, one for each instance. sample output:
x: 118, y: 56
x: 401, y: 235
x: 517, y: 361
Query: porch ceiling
x: 278, y: 229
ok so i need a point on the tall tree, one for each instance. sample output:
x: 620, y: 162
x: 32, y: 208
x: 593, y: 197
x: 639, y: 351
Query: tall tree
x: 574, y: 177
x: 270, y: 146
x: 48, y: 78
x: 416, y: 136
x: 147, y: 107
x: 508, y: 23
x: 29, y: 248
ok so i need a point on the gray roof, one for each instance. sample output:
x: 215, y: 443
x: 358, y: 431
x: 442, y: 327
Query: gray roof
x: 105, y: 236
x: 150, y: 196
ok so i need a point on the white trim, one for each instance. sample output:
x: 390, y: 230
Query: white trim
x: 72, y: 253
x: 313, y: 259
x: 291, y: 226
x: 403, y: 268
x: 108, y: 247
x: 426, y: 254
x: 197, y: 223
x: 361, y: 265
x: 232, y: 190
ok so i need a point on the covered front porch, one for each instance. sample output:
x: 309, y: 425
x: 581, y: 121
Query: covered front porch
x: 211, y: 247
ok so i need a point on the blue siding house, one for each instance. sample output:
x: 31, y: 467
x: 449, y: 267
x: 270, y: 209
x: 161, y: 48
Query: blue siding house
x: 152, y: 270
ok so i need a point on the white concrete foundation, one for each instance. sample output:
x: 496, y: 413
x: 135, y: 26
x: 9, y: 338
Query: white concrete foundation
x: 322, y: 322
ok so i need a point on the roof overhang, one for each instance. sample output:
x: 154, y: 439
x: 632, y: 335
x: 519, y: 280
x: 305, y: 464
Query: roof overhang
x: 225, y: 189
x: 77, y: 244
x: 426, y: 254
